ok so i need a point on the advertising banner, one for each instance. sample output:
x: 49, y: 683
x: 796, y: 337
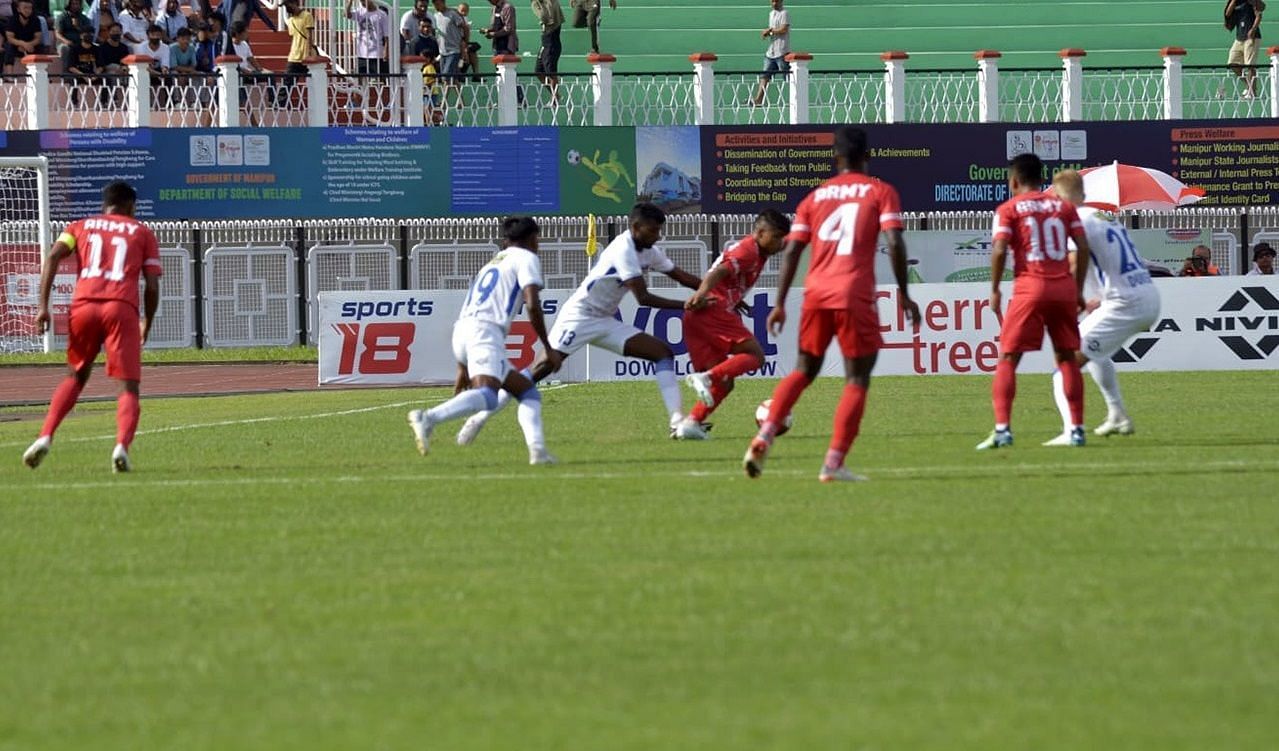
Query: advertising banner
x: 1225, y: 323
x: 259, y: 173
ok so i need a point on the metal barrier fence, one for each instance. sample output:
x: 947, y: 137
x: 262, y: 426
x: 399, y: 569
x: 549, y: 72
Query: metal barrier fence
x: 703, y: 97
x: 256, y: 283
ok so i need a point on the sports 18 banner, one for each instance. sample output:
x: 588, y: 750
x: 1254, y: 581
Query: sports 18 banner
x: 388, y: 338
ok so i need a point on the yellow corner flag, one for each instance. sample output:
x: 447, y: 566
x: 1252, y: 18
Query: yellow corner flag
x: 592, y: 242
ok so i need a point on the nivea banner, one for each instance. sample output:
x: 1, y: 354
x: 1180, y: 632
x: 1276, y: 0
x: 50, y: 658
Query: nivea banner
x: 1223, y: 323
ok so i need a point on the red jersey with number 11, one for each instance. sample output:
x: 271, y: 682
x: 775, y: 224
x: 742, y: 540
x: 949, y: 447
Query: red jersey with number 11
x: 1037, y: 226
x: 843, y: 218
x: 111, y: 251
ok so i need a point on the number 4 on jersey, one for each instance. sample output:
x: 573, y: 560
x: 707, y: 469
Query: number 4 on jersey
x: 841, y: 227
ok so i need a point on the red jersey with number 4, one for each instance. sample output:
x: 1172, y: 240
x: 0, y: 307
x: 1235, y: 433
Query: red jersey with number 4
x: 111, y: 251
x: 746, y: 263
x: 843, y: 219
x: 1038, y: 226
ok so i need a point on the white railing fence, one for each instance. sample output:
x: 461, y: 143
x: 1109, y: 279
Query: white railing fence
x: 329, y: 95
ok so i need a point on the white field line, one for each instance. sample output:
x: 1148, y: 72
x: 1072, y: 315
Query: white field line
x: 557, y: 474
x: 253, y: 420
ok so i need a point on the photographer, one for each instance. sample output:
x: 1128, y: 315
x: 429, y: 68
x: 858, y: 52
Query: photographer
x: 1199, y: 263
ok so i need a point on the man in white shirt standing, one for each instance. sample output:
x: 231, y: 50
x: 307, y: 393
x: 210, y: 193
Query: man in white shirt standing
x: 1263, y: 260
x: 778, y: 32
x: 587, y: 317
x: 1122, y: 302
x: 479, y: 341
x: 372, y: 30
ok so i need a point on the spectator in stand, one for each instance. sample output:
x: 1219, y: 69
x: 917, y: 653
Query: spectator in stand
x: 172, y: 20
x: 778, y: 32
x: 551, y: 18
x: 111, y: 55
x: 426, y: 45
x: 454, y: 35
x: 25, y: 35
x: 182, y: 52
x: 41, y: 10
x: 1243, y: 17
x: 1263, y: 260
x: 81, y: 60
x: 72, y: 24
x: 219, y: 36
x: 372, y: 35
x: 103, y: 13
x: 1199, y: 263
x: 252, y: 74
x: 410, y: 26
x: 204, y: 53
x: 502, y: 29
x: 301, y: 26
x: 158, y: 51
x: 586, y: 13
x: 471, y: 55
x: 431, y: 92
x: 134, y: 22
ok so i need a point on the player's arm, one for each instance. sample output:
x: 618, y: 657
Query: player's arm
x: 684, y: 278
x: 150, y: 300
x: 998, y: 260
x: 897, y: 253
x: 790, y: 266
x: 61, y: 250
x: 702, y: 297
x: 533, y: 304
x: 1082, y: 254
x: 639, y: 288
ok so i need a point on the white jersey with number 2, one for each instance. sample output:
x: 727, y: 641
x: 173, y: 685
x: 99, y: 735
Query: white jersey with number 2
x: 495, y: 293
x: 1116, y: 270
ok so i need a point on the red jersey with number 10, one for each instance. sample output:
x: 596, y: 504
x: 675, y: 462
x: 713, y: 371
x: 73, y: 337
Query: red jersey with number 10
x: 111, y: 251
x: 1037, y: 226
x: 843, y: 218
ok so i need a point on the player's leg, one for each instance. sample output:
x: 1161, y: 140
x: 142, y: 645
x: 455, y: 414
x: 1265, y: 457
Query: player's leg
x: 1022, y: 331
x: 123, y: 344
x: 84, y: 341
x: 859, y: 342
x: 743, y: 357
x: 648, y: 347
x: 481, y: 349
x: 1061, y: 320
x: 529, y: 414
x: 816, y: 329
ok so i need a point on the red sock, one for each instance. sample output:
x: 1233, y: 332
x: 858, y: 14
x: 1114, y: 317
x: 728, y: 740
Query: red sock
x: 1072, y: 382
x: 848, y: 421
x: 784, y: 398
x: 734, y: 366
x: 1003, y: 391
x: 719, y: 389
x: 64, y: 398
x: 127, y: 411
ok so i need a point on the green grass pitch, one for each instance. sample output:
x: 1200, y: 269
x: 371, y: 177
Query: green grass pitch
x: 285, y: 572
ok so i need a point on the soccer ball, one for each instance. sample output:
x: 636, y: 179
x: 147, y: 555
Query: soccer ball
x: 574, y: 157
x: 761, y: 415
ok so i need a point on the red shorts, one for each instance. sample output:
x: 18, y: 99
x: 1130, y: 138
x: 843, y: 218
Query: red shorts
x: 856, y: 328
x: 710, y: 333
x: 94, y: 324
x: 1052, y: 307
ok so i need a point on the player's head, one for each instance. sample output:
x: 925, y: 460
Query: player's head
x: 1069, y: 185
x: 771, y: 228
x: 647, y: 221
x: 521, y: 232
x: 1025, y: 173
x: 850, y: 148
x: 119, y: 197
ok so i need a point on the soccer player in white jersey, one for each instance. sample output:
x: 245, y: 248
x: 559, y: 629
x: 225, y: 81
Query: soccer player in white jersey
x: 479, y: 341
x: 587, y: 316
x: 1122, y: 301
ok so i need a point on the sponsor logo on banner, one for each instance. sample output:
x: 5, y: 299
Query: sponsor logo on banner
x: 1256, y: 309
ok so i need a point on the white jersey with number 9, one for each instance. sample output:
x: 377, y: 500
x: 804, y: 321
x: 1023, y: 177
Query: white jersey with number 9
x: 495, y: 292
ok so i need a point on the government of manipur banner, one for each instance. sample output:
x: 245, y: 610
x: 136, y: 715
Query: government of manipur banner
x: 319, y: 173
x: 1224, y: 323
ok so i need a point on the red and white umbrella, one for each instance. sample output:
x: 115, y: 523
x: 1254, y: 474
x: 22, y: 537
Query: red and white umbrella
x: 1124, y: 186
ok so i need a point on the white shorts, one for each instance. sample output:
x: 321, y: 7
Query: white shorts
x: 481, y: 347
x: 572, y: 332
x: 1106, y: 329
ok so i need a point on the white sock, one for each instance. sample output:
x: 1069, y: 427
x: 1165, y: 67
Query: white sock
x: 466, y: 403
x: 1059, y: 396
x: 529, y: 414
x: 668, y: 384
x: 1103, y: 372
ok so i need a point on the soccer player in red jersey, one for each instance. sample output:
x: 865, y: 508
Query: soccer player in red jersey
x: 843, y: 218
x: 1048, y: 291
x: 112, y: 251
x: 719, y: 345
